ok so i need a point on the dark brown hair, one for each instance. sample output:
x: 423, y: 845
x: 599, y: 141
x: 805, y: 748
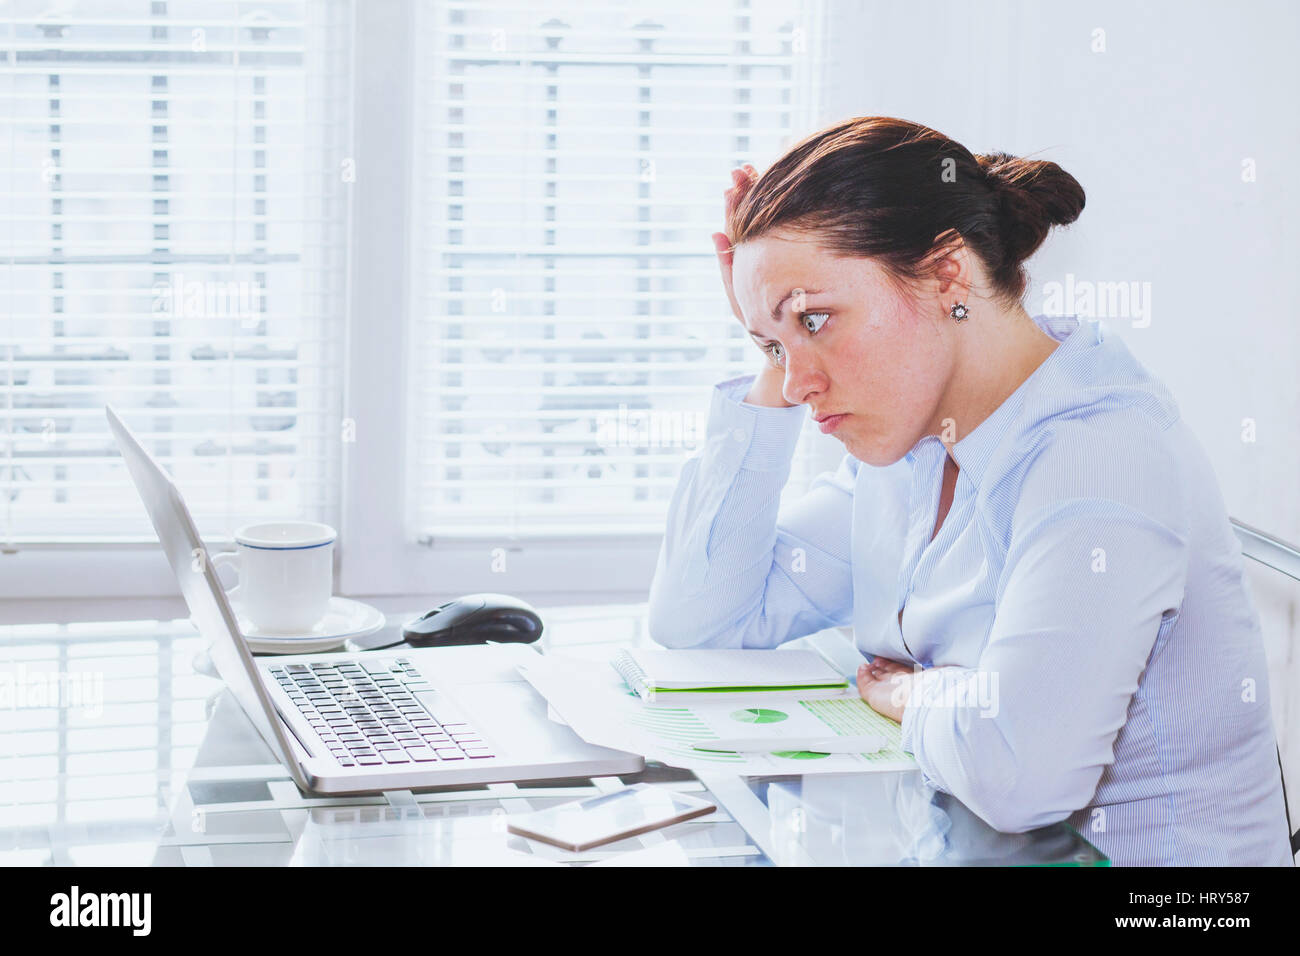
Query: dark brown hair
x: 895, y: 191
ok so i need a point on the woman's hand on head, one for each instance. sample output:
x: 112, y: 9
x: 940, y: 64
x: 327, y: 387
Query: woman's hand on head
x: 767, y: 388
x: 741, y: 180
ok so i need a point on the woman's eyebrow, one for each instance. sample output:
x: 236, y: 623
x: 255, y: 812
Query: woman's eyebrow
x: 776, y: 309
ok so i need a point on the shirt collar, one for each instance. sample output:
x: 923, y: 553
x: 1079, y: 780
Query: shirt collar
x: 973, y: 452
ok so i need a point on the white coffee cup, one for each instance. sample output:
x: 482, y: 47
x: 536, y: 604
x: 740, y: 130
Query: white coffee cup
x: 286, y: 574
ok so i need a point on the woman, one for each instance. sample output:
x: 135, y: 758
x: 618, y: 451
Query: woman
x: 1029, y: 543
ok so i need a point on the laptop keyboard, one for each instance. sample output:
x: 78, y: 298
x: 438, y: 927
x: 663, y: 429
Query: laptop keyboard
x: 367, y: 713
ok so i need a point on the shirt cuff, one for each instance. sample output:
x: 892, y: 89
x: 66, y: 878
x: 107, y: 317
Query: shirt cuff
x: 932, y: 688
x: 762, y: 436
x: 912, y: 715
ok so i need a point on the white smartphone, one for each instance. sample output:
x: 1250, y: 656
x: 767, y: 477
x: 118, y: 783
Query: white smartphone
x: 594, y: 821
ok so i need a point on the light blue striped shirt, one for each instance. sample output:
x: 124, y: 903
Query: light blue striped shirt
x: 1090, y: 646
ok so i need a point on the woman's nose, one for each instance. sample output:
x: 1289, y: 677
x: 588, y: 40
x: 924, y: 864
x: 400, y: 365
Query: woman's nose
x: 803, y: 380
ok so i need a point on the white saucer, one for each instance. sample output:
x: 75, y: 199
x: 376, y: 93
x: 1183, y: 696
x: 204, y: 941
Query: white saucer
x: 345, y: 618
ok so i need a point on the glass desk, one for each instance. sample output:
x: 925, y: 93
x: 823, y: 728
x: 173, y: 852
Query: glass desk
x: 117, y: 751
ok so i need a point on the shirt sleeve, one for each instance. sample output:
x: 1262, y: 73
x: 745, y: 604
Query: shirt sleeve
x: 1089, y: 588
x: 735, y: 569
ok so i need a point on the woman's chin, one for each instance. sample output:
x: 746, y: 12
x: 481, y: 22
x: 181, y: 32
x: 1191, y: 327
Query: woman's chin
x: 867, y: 453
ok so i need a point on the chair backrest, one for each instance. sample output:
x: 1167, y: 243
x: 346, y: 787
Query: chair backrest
x: 1280, y: 556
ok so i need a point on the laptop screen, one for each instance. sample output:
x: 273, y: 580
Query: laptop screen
x: 206, y: 599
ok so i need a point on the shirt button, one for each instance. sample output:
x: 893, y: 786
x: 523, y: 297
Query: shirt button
x: 738, y: 434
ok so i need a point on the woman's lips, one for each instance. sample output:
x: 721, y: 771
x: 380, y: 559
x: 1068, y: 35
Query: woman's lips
x: 828, y: 425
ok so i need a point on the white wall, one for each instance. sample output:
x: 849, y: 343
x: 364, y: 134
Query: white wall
x: 1156, y: 128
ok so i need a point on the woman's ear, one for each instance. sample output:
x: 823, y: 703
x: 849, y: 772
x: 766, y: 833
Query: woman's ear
x: 949, y: 262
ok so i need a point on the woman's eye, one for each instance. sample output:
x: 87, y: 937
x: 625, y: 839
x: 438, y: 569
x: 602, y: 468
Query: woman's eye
x: 813, y: 321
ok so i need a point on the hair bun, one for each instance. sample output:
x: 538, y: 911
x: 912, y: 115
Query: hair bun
x: 1035, y: 195
x: 884, y: 188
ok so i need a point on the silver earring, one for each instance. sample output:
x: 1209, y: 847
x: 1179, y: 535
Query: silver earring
x: 959, y: 311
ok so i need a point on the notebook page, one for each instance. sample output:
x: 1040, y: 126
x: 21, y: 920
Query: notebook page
x: 708, y: 667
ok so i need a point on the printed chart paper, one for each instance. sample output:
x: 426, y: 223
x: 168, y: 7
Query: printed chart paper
x: 601, y: 709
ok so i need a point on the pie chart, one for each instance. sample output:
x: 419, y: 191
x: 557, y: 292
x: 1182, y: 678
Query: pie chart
x: 759, y: 715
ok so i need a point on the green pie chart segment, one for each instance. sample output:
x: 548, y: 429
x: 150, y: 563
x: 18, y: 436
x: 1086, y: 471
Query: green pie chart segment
x: 759, y: 715
x: 798, y: 755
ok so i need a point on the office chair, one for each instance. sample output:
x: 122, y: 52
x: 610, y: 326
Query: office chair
x: 1279, y: 556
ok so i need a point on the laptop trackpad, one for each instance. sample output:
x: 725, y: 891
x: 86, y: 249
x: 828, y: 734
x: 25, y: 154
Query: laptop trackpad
x: 441, y: 707
x: 511, y: 715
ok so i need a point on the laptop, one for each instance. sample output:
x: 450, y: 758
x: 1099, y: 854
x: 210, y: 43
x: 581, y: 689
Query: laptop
x: 398, y: 719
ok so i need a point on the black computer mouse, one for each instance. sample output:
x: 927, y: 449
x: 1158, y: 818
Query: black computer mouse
x: 475, y: 619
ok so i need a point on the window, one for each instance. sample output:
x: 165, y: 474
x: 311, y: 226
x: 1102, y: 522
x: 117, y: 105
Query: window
x: 568, y: 318
x: 436, y: 273
x: 176, y: 201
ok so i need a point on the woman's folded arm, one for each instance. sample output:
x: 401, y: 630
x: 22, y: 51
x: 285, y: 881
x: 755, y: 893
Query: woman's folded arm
x: 1023, y: 739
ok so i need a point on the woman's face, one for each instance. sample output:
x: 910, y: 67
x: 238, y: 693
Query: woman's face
x: 877, y: 357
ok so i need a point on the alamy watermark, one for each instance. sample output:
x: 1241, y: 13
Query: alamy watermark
x: 22, y: 689
x: 181, y: 298
x: 1099, y: 300
x: 649, y: 429
x: 74, y: 908
x: 976, y: 691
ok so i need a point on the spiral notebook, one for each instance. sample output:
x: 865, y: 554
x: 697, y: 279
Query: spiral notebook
x: 708, y: 674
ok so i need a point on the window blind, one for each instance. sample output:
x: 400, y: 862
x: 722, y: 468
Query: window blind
x: 175, y: 189
x: 569, y: 318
